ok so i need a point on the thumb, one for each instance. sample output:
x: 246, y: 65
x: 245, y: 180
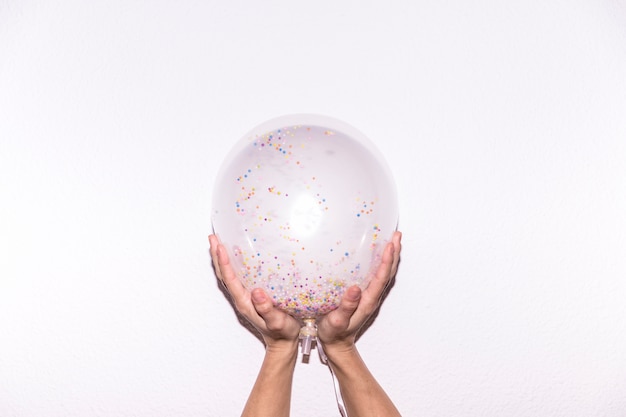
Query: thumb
x: 262, y: 303
x: 274, y: 319
x: 347, y: 307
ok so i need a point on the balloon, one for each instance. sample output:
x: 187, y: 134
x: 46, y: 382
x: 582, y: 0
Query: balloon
x: 304, y: 206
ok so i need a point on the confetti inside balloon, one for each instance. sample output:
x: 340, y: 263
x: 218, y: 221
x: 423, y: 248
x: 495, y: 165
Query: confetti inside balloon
x: 305, y: 206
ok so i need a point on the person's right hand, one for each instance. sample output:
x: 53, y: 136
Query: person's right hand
x: 338, y: 329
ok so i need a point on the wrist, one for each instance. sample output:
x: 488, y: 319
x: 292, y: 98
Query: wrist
x: 340, y: 352
x: 282, y: 348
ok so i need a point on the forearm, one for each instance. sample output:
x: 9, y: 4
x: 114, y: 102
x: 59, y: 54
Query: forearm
x: 362, y: 394
x: 271, y: 394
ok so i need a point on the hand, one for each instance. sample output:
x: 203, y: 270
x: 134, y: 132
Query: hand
x: 279, y: 329
x: 338, y: 329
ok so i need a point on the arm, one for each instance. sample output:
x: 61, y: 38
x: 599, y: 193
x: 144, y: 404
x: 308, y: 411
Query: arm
x: 362, y: 394
x: 271, y: 393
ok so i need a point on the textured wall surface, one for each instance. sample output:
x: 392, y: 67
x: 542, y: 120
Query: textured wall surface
x: 504, y: 124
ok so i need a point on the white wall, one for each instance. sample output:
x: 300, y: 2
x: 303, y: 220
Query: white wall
x: 505, y: 125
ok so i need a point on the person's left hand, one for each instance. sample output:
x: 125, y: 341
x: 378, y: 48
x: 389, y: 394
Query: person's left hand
x: 338, y: 329
x: 279, y: 329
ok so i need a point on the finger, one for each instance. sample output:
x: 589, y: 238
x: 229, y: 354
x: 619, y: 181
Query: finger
x: 229, y: 277
x: 239, y: 294
x: 397, y: 246
x: 262, y: 302
x: 373, y: 292
x: 275, y: 320
x: 340, y: 318
x: 213, y: 242
x: 383, y: 273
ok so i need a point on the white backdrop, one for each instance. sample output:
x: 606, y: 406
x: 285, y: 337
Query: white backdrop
x: 504, y: 124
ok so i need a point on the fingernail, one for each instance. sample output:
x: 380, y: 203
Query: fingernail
x: 353, y: 293
x: 258, y: 296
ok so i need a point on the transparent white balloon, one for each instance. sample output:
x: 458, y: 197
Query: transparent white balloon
x: 305, y: 205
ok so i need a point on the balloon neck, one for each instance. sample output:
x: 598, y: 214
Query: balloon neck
x: 308, y: 335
